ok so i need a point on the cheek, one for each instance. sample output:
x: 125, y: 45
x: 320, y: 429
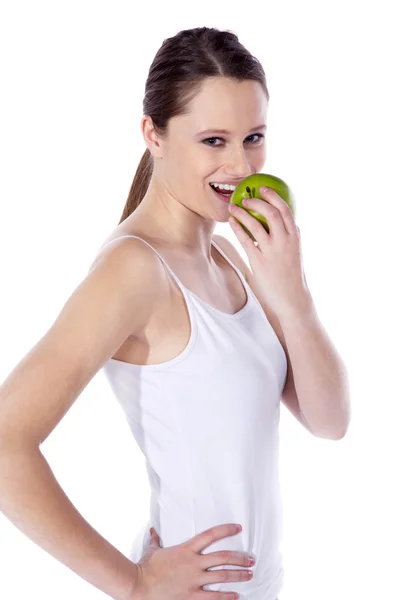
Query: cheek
x: 196, y: 169
x: 263, y: 154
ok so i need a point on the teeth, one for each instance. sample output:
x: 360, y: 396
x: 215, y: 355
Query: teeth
x: 224, y: 186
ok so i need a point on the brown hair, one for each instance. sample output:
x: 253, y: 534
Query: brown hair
x: 175, y: 77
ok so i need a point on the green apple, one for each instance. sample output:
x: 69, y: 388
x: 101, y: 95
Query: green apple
x: 250, y: 188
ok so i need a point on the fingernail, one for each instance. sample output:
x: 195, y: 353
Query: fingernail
x: 264, y: 189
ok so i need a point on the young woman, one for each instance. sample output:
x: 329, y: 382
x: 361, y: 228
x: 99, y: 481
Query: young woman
x: 198, y: 349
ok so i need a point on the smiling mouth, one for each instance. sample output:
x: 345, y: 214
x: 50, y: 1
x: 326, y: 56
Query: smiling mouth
x: 225, y: 195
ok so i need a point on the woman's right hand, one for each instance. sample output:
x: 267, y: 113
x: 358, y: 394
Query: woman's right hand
x: 179, y: 572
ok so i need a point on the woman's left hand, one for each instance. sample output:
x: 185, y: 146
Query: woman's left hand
x: 276, y: 262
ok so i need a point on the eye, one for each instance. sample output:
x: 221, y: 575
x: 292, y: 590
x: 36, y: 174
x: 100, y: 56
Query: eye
x: 260, y: 136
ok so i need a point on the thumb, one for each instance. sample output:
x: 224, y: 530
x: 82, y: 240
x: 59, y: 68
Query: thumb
x: 154, y: 539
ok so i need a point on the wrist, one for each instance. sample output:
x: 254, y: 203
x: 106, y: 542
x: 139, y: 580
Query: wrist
x: 303, y: 308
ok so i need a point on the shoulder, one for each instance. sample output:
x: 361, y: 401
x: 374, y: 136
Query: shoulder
x: 131, y: 272
x: 129, y: 260
x: 129, y: 252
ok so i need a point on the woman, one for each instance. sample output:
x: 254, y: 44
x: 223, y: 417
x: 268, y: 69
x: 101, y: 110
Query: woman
x: 194, y: 344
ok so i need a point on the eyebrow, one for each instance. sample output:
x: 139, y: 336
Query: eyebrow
x: 207, y: 131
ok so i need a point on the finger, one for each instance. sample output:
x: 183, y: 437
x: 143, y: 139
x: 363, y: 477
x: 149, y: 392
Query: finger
x: 154, y: 536
x: 227, y: 575
x: 226, y: 557
x: 254, y: 226
x: 286, y: 214
x: 243, y: 237
x: 204, y: 539
x: 272, y: 214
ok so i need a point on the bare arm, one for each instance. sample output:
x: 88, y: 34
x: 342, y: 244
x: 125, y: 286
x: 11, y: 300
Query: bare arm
x: 114, y: 301
x: 33, y: 500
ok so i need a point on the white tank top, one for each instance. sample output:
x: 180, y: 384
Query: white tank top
x: 207, y: 423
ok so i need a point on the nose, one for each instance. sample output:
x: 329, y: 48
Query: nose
x: 239, y: 166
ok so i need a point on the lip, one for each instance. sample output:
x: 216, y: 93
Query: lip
x: 225, y: 200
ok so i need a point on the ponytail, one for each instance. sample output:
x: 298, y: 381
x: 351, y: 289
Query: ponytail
x: 139, y: 185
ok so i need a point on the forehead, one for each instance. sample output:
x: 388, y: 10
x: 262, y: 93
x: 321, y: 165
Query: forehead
x: 221, y: 101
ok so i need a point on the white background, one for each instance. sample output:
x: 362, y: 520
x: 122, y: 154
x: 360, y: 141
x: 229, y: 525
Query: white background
x: 73, y: 76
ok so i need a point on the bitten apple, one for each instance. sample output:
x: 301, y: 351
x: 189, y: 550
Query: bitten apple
x: 250, y: 188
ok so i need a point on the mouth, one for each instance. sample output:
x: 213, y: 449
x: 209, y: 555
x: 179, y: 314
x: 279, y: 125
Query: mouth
x: 225, y: 197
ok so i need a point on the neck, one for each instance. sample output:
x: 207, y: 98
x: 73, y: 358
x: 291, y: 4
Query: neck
x: 173, y: 226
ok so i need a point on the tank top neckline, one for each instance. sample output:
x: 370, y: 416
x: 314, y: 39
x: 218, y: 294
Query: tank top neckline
x: 213, y: 308
x: 187, y: 291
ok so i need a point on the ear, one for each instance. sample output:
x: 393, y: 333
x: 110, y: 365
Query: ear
x: 150, y: 136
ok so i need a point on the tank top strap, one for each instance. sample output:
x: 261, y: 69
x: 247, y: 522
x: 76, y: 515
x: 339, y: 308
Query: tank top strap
x: 238, y: 271
x: 184, y: 289
x: 176, y: 278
